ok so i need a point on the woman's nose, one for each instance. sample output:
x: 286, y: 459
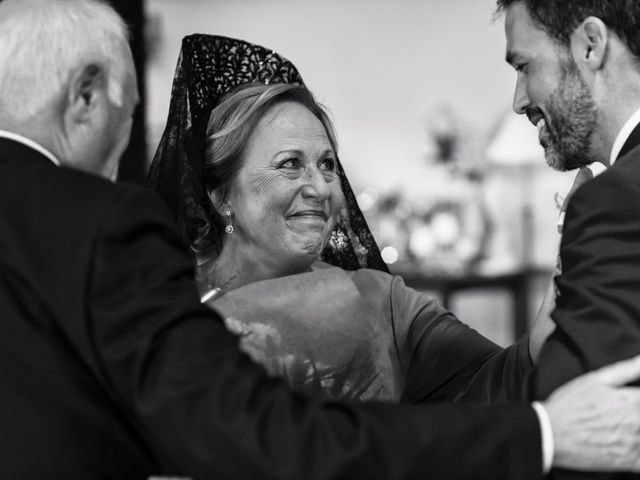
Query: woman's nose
x: 315, y: 186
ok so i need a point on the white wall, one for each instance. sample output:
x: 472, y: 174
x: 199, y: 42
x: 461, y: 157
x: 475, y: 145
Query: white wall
x: 379, y: 65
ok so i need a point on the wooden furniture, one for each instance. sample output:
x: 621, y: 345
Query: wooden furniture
x: 517, y: 283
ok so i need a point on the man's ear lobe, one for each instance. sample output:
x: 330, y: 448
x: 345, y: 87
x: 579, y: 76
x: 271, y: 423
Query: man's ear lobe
x: 591, y: 39
x: 88, y: 88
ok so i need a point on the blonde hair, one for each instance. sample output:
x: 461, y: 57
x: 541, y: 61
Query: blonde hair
x: 233, y: 121
x: 42, y: 41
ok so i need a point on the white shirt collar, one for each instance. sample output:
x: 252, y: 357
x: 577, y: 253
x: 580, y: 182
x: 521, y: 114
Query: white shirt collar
x: 596, y: 168
x: 623, y: 136
x: 31, y: 144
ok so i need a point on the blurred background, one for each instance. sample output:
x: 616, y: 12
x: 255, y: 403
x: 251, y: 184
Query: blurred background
x: 453, y: 183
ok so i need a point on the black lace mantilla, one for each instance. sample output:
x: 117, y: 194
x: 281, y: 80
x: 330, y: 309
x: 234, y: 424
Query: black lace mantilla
x: 210, y: 66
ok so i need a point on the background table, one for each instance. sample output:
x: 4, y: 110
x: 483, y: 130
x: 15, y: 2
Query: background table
x: 517, y: 283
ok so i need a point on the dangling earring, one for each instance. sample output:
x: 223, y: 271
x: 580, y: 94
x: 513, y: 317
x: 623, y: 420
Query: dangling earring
x: 229, y: 227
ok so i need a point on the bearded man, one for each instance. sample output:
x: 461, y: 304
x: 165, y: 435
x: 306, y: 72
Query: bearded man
x: 578, y: 66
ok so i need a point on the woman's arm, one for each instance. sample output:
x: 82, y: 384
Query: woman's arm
x: 445, y: 360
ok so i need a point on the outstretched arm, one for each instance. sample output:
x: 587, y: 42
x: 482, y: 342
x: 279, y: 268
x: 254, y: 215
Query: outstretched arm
x: 445, y: 360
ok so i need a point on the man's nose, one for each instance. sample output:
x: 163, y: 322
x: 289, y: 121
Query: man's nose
x: 520, y: 97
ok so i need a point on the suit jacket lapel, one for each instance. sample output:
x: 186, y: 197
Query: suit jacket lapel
x: 632, y: 142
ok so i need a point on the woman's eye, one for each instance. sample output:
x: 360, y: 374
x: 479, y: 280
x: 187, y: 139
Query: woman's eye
x: 289, y: 163
x: 327, y: 164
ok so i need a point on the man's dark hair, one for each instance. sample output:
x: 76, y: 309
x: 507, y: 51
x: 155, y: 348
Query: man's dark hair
x: 559, y: 18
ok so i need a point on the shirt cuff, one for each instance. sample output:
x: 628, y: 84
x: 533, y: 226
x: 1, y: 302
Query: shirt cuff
x: 546, y: 433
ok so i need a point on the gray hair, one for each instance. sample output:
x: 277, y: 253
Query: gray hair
x: 43, y: 41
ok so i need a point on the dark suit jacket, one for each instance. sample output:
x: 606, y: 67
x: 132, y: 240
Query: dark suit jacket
x: 597, y: 312
x: 111, y: 369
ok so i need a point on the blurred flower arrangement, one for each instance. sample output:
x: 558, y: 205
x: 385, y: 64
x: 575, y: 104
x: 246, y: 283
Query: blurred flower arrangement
x: 443, y: 232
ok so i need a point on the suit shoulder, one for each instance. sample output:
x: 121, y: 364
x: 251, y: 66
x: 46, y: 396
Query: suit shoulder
x: 601, y: 203
x: 614, y: 188
x: 94, y: 191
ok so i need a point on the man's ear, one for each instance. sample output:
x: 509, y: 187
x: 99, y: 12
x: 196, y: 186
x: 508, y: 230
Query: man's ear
x: 87, y: 91
x: 589, y: 43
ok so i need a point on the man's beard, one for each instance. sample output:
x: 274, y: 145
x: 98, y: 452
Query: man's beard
x: 570, y: 123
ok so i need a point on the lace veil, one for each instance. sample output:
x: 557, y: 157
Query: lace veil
x: 208, y: 67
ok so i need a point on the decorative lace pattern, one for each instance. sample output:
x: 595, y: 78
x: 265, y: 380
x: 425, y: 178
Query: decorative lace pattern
x: 208, y: 67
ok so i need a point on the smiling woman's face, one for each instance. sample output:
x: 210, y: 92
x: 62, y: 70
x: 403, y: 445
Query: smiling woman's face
x: 287, y: 193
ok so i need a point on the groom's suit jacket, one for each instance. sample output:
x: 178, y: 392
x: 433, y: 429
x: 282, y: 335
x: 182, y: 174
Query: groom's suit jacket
x: 111, y: 369
x: 597, y: 312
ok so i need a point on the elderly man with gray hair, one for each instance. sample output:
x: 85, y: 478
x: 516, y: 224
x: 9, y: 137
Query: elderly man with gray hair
x: 110, y: 366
